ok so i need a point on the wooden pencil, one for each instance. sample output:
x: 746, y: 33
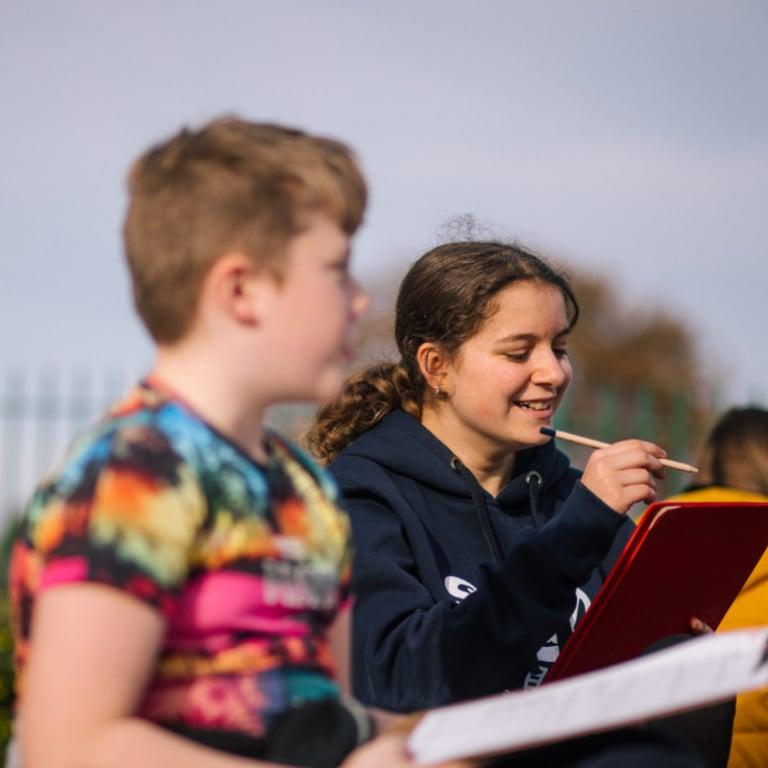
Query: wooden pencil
x: 591, y: 443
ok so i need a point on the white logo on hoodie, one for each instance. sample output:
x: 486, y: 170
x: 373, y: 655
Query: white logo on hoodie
x: 458, y: 588
x: 548, y: 653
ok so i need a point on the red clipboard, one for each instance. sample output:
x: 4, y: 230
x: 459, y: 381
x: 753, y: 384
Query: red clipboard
x: 684, y: 559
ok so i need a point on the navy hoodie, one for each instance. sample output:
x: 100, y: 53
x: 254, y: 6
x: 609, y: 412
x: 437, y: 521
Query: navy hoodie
x: 459, y: 594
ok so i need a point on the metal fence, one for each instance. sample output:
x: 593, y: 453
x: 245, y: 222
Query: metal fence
x: 41, y: 411
x: 677, y: 423
x: 39, y: 414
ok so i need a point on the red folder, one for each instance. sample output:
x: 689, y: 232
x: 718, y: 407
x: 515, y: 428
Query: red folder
x: 684, y: 559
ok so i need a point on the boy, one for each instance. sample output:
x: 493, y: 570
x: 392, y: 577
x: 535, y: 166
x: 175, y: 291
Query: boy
x: 177, y: 573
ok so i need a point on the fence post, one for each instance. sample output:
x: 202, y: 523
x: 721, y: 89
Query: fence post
x: 80, y: 401
x: 608, y: 414
x: 644, y: 412
x: 46, y: 411
x: 679, y: 437
x: 112, y: 389
x: 14, y: 402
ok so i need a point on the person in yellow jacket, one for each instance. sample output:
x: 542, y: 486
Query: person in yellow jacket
x: 734, y: 467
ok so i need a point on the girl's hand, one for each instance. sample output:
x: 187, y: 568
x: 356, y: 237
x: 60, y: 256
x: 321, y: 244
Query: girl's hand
x: 698, y: 627
x: 387, y: 751
x: 623, y: 473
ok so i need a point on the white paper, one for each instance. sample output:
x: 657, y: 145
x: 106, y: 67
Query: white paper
x: 704, y: 670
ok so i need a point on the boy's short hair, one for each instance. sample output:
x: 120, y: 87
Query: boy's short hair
x: 232, y: 185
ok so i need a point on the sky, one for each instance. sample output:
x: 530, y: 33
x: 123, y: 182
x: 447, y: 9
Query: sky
x: 628, y: 139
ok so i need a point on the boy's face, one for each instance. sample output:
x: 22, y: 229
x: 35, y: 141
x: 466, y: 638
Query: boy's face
x: 314, y: 314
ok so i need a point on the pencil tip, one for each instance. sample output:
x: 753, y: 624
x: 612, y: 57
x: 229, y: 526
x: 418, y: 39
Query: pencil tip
x: 547, y: 431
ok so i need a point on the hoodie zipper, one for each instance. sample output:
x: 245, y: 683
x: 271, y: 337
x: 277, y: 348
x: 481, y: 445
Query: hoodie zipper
x: 481, y: 508
x: 534, y: 481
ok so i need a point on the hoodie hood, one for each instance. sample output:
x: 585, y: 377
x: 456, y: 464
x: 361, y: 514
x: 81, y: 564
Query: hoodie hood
x: 404, y: 447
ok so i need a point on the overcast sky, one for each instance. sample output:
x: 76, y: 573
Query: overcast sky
x: 629, y: 138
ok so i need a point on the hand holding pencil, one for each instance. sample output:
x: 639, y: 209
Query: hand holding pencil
x: 622, y: 474
x: 592, y: 443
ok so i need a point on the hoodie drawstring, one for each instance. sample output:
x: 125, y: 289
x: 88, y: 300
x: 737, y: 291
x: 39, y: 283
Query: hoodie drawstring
x: 476, y: 492
x: 534, y: 481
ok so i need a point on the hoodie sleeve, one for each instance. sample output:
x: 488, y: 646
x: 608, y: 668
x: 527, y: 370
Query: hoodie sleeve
x: 411, y: 652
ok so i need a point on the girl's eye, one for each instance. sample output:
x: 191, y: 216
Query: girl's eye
x: 562, y: 352
x: 516, y: 357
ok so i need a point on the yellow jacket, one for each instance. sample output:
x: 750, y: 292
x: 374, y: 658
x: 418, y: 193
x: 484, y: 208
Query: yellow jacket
x: 749, y: 748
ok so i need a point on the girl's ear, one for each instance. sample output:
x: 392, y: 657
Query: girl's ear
x: 433, y: 364
x: 235, y: 288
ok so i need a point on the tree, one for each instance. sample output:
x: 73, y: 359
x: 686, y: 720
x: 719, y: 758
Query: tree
x: 637, y: 369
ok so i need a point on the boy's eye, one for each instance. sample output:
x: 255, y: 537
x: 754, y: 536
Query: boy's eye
x: 516, y: 357
x: 560, y: 352
x: 341, y: 267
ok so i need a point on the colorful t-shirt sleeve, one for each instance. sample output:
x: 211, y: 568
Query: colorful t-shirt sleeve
x: 125, y: 510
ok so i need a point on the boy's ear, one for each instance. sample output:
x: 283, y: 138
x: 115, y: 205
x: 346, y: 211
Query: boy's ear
x: 236, y: 286
x: 433, y: 363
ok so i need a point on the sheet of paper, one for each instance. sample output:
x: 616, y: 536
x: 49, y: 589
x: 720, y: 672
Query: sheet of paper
x: 694, y: 673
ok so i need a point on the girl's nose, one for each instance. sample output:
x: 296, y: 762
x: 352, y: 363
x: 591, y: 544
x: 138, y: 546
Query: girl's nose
x: 551, y: 370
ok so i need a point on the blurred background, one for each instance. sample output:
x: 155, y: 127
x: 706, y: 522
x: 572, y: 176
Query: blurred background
x: 627, y: 141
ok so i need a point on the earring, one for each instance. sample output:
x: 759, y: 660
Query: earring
x: 438, y: 391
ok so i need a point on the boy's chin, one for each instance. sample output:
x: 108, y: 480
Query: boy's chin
x: 321, y: 388
x: 328, y: 387
x: 327, y: 395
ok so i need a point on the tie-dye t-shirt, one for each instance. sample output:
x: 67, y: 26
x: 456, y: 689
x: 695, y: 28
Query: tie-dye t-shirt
x: 247, y: 563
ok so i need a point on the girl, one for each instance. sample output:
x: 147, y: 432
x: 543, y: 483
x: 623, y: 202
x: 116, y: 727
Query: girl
x: 478, y: 547
x: 734, y: 467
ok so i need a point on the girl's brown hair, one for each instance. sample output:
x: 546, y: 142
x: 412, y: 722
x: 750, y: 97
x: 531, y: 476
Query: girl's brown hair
x: 445, y: 297
x: 736, y: 451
